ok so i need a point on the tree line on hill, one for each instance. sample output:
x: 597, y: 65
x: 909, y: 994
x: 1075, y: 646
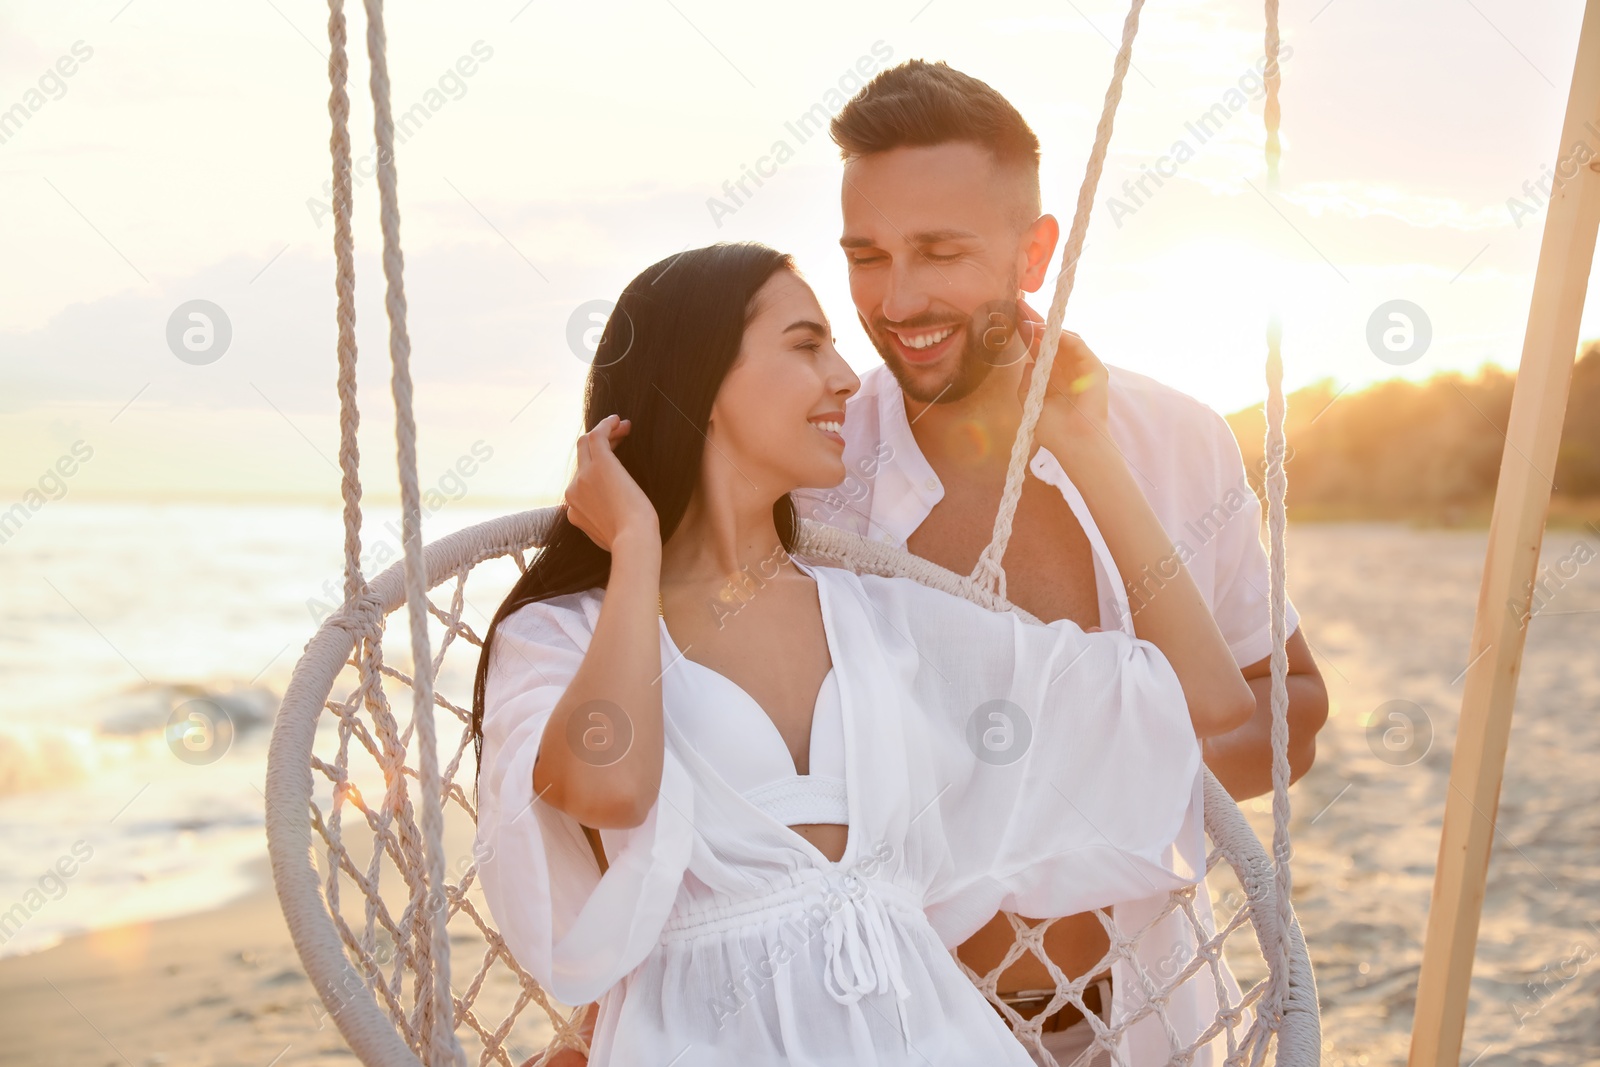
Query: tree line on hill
x: 1423, y: 451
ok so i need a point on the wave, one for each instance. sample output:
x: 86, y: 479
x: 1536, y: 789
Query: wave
x: 125, y: 728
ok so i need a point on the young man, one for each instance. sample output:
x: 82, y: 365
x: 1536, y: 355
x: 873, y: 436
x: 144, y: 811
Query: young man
x: 943, y: 232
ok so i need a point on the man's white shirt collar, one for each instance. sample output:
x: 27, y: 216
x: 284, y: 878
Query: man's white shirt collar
x: 1181, y: 453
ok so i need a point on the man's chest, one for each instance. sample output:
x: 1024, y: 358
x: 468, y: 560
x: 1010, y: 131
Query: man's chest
x: 1049, y: 563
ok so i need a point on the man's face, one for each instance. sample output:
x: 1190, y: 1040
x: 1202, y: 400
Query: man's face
x: 935, y: 254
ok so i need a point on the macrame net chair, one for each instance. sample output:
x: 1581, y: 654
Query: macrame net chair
x: 369, y: 816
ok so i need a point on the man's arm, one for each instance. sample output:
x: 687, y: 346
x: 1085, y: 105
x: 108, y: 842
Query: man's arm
x: 1242, y: 759
x: 571, y: 1057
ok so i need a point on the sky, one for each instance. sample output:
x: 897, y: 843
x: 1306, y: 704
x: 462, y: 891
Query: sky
x: 557, y: 149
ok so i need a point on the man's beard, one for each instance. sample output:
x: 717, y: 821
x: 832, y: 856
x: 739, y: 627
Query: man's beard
x: 987, y: 334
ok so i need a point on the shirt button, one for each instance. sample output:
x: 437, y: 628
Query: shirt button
x: 931, y: 483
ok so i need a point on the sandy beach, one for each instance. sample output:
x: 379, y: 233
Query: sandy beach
x: 220, y: 987
x: 1389, y: 613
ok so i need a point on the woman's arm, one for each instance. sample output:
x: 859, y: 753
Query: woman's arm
x: 1167, y: 608
x: 601, y: 754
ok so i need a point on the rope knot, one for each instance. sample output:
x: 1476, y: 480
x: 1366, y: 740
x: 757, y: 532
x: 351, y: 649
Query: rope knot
x: 989, y: 574
x: 360, y: 616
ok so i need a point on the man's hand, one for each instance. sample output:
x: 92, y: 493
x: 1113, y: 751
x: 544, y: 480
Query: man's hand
x: 1075, y: 400
x: 1242, y: 758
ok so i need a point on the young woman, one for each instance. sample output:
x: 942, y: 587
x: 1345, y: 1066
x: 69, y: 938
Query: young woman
x: 809, y: 785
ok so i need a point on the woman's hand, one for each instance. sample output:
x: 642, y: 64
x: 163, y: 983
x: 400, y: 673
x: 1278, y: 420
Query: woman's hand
x: 602, y: 499
x: 1173, y: 616
x: 621, y: 667
x: 1075, y: 400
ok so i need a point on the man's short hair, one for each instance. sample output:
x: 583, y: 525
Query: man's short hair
x: 920, y: 104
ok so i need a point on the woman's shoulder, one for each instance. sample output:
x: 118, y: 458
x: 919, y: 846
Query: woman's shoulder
x: 908, y: 606
x: 558, y: 619
x: 822, y: 568
x: 840, y: 580
x: 894, y: 602
x: 542, y: 638
x: 897, y: 589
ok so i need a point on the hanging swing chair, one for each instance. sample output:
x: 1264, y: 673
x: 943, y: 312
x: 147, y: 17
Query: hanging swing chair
x: 376, y: 794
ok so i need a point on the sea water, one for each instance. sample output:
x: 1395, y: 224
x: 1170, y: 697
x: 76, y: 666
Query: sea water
x: 115, y: 620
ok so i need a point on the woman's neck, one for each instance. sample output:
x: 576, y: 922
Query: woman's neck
x: 717, y: 542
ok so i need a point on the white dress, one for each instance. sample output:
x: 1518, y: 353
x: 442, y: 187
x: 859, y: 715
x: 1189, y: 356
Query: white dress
x: 988, y: 764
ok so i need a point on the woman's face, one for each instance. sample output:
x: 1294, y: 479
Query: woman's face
x: 779, y: 416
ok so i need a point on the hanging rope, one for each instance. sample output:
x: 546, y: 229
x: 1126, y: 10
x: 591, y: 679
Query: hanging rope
x: 428, y: 911
x: 989, y: 573
x: 1270, y: 114
x: 1277, y: 520
x: 345, y: 284
x: 438, y: 1021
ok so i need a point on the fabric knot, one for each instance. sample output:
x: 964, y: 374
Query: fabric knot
x: 859, y: 950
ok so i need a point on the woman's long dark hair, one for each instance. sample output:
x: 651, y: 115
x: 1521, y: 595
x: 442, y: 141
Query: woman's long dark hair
x: 662, y: 358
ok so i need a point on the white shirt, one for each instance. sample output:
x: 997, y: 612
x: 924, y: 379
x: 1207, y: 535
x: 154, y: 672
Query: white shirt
x: 1184, y: 457
x: 1182, y: 454
x: 718, y: 935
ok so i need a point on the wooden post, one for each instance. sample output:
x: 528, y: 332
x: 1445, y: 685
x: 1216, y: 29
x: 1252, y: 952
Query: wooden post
x: 1521, y: 505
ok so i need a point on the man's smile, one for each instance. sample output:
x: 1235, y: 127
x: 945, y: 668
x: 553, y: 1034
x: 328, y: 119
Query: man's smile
x: 924, y: 345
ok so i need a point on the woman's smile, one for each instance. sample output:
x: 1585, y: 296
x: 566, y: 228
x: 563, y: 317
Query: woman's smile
x: 831, y: 426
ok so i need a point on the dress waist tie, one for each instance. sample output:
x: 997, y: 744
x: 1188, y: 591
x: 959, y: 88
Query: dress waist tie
x: 859, y: 948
